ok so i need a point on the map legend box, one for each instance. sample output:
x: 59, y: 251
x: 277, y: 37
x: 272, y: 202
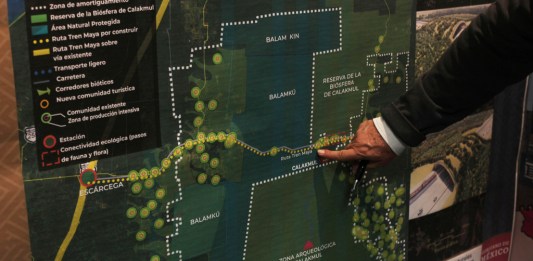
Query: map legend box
x: 98, y: 97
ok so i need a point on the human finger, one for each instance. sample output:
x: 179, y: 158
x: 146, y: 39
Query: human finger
x: 341, y: 155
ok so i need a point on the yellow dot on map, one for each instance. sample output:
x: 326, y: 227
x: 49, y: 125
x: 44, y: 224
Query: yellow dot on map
x: 398, y: 80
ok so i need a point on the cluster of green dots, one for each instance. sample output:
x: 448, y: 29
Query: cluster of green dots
x: 331, y: 140
x: 159, y: 223
x: 212, y: 105
x: 200, y: 148
x: 165, y: 163
x: 377, y: 48
x: 143, y: 174
x: 204, y: 158
x: 140, y: 236
x: 371, y: 86
x: 214, y: 162
x: 136, y: 188
x: 215, y: 179
x: 149, y: 183
x: 221, y: 136
x: 274, y: 151
x: 198, y: 121
x: 133, y: 176
x: 230, y: 140
x: 217, y: 58
x: 189, y: 144
x: 152, y: 205
x: 200, y: 137
x: 211, y: 137
x: 177, y: 152
x: 398, y: 79
x: 375, y: 213
x: 160, y: 193
x: 199, y: 106
x: 145, y: 213
x: 195, y: 92
x: 131, y: 212
x: 202, y: 178
x: 144, y: 179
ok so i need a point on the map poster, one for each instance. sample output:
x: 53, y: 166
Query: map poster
x: 188, y: 130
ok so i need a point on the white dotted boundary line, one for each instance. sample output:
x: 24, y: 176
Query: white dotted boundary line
x: 387, y: 220
x: 176, y: 116
x: 178, y: 181
x: 268, y: 181
x: 403, y: 243
x: 338, y: 9
x: 219, y: 45
x: 397, y: 56
x: 257, y: 18
x: 176, y: 220
x: 378, y: 77
x: 178, y: 136
x: 179, y: 68
x: 374, y: 66
x: 178, y: 223
x: 407, y: 63
x: 35, y: 8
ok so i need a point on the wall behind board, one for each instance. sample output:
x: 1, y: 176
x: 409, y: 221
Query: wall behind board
x: 14, y: 242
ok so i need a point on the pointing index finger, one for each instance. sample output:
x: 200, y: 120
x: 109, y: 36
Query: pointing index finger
x: 341, y: 155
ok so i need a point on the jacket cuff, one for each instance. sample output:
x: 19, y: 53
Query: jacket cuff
x: 401, y: 127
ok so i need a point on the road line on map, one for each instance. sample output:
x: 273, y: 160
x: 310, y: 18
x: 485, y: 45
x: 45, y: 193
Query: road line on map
x: 75, y: 220
x: 161, y: 12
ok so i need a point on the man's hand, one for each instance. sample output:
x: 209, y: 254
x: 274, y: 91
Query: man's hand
x: 367, y: 144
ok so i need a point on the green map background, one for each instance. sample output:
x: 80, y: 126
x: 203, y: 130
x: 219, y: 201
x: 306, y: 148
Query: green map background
x: 268, y: 208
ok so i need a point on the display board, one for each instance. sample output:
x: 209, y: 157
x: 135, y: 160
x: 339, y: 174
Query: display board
x: 462, y: 185
x: 522, y: 233
x: 159, y: 130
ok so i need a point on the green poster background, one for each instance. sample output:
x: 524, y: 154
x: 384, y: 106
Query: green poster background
x: 248, y: 90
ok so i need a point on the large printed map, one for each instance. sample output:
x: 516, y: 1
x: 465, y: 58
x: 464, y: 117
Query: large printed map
x: 202, y: 120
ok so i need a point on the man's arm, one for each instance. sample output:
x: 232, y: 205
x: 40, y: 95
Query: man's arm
x: 495, y: 51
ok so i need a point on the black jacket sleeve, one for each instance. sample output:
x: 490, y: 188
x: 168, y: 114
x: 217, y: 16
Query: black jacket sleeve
x: 495, y: 51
